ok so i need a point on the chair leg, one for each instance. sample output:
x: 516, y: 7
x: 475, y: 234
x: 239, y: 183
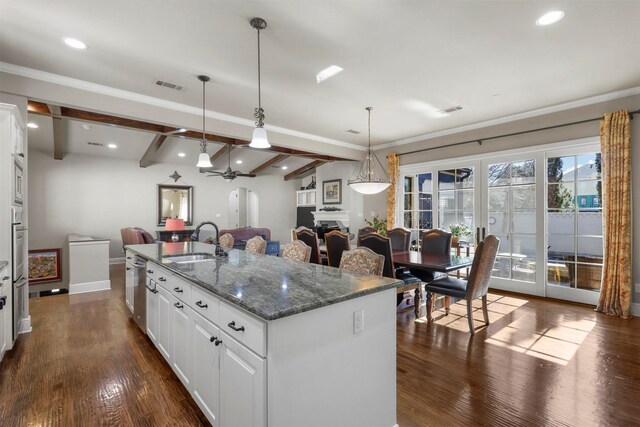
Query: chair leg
x: 447, y: 304
x: 485, y: 312
x: 429, y: 305
x: 416, y: 301
x: 470, y: 317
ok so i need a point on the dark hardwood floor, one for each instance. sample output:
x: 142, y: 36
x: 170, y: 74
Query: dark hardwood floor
x: 540, y: 362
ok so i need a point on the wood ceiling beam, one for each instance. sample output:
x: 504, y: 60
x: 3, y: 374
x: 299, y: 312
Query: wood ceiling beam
x: 304, y: 169
x: 152, y: 149
x: 221, y: 152
x: 88, y: 116
x: 38, y: 108
x: 270, y: 162
x: 59, y: 132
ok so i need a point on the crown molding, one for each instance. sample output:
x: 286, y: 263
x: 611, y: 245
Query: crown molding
x: 514, y: 117
x: 157, y: 102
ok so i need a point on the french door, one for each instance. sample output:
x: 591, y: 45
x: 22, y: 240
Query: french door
x: 544, y: 205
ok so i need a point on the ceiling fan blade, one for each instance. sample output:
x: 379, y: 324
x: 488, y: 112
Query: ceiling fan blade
x: 248, y: 175
x: 215, y: 173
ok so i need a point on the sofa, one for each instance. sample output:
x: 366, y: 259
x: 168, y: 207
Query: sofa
x: 243, y: 234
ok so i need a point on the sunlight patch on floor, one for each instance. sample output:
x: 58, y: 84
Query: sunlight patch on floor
x: 556, y: 343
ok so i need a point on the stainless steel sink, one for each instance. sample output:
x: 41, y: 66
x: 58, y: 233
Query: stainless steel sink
x: 187, y: 259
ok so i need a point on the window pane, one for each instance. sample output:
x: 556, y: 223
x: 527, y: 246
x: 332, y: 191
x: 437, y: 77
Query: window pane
x: 560, y: 169
x: 560, y: 273
x: 426, y: 220
x: 524, y: 197
x: 425, y: 201
x: 425, y: 184
x: 588, y: 277
x: 502, y: 267
x: 590, y: 249
x: 560, y: 196
x: 408, y: 220
x: 561, y: 247
x: 498, y: 222
x: 504, y: 249
x: 469, y: 219
x: 408, y: 202
x: 408, y: 184
x: 446, y: 179
x: 589, y: 166
x: 589, y: 194
x: 499, y: 174
x: 499, y: 199
x: 524, y: 222
x: 590, y: 223
x: 447, y: 200
x: 465, y: 200
x: 561, y: 222
x: 464, y: 178
x: 523, y: 172
x: 447, y: 218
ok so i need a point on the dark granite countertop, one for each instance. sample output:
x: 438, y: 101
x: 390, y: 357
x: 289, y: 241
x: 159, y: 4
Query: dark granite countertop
x: 3, y: 264
x: 267, y: 286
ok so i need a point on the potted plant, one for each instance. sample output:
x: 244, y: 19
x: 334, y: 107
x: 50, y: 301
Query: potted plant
x: 380, y: 225
x: 459, y: 232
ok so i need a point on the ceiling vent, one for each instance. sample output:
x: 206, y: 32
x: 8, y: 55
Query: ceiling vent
x: 355, y: 132
x: 96, y: 144
x: 448, y: 111
x: 169, y: 85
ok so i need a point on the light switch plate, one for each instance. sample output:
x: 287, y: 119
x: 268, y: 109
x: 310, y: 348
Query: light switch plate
x: 218, y: 215
x: 358, y: 321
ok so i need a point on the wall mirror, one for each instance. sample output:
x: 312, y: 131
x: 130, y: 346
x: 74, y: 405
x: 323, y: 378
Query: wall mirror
x: 175, y: 201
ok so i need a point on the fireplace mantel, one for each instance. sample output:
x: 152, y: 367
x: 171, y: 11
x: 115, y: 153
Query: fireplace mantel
x: 342, y: 216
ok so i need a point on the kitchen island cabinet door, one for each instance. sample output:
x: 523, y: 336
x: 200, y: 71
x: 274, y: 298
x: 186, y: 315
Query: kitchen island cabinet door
x: 181, y: 335
x: 243, y: 397
x: 164, y: 325
x: 129, y: 282
x: 206, y: 366
x: 152, y: 311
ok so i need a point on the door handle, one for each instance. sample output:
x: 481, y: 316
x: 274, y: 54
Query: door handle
x: 178, y: 290
x: 178, y: 305
x: 484, y: 233
x: 233, y: 326
x: 201, y: 305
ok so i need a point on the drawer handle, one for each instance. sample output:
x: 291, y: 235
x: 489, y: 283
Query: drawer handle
x: 162, y: 279
x: 178, y: 305
x: 128, y: 268
x: 201, y: 305
x: 155, y: 291
x: 178, y: 290
x: 3, y: 302
x: 5, y: 278
x: 212, y: 339
x: 233, y: 326
x: 150, y: 271
x: 217, y: 342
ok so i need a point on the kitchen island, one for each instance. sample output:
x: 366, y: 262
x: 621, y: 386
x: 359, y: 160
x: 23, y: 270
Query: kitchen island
x: 260, y: 340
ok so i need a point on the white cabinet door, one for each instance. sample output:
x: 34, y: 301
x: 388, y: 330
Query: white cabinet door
x: 206, y: 366
x: 129, y: 282
x: 152, y: 310
x: 5, y: 311
x: 164, y: 326
x: 181, y: 322
x: 243, y: 398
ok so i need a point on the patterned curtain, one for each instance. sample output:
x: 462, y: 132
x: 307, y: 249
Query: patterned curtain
x: 615, y: 140
x: 393, y: 169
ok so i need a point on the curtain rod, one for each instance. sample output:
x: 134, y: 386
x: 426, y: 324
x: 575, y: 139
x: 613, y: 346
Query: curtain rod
x: 481, y: 140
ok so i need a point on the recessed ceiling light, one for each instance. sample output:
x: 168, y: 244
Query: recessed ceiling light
x: 238, y: 162
x: 112, y: 145
x: 86, y: 126
x: 550, y: 18
x: 284, y: 168
x: 328, y: 72
x: 32, y: 125
x: 74, y: 43
x: 181, y: 155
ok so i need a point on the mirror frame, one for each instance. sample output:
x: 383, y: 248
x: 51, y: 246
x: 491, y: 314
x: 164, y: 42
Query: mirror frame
x: 189, y: 188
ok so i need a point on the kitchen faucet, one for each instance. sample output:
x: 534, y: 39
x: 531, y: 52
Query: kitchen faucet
x: 196, y: 233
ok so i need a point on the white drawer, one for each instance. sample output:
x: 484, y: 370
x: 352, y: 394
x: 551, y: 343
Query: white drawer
x: 180, y: 289
x: 153, y: 271
x: 244, y: 327
x: 206, y: 304
x: 129, y: 257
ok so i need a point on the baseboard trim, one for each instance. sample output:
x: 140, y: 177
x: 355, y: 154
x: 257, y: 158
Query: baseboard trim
x: 25, y: 325
x: 113, y: 261
x: 635, y: 308
x: 81, y: 288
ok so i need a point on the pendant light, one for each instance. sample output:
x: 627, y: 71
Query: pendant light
x: 259, y: 139
x: 370, y: 177
x: 203, y: 160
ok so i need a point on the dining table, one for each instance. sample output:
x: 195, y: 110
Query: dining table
x: 441, y: 263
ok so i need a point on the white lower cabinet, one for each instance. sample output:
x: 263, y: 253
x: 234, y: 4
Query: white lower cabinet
x: 205, y: 386
x: 164, y: 328
x: 129, y: 280
x: 152, y: 310
x: 181, y: 325
x: 243, y: 398
x: 5, y: 310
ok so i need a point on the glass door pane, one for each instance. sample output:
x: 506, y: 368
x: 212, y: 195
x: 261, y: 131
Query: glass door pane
x: 457, y: 199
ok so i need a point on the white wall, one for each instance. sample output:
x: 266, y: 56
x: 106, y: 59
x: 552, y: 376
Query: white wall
x: 99, y: 196
x: 352, y: 201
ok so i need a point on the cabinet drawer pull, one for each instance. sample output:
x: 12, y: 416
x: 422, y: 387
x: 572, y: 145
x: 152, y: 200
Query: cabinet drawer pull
x: 178, y: 290
x: 155, y: 291
x: 178, y: 305
x: 212, y: 339
x: 162, y: 279
x: 150, y: 271
x: 5, y: 278
x: 201, y: 305
x: 3, y: 302
x: 128, y: 257
x: 128, y: 268
x: 217, y: 342
x: 233, y: 326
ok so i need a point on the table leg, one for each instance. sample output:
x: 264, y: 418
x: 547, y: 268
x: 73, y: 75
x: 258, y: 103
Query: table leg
x: 429, y: 305
x: 447, y: 304
x: 416, y: 301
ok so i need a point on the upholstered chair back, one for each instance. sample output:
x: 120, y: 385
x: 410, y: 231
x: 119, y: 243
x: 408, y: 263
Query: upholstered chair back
x: 436, y: 241
x: 382, y: 246
x: 297, y: 251
x: 226, y: 241
x: 337, y: 242
x: 362, y: 260
x: 483, y: 261
x: 400, y: 239
x: 256, y: 245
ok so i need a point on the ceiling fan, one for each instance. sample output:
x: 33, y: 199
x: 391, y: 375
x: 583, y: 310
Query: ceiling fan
x: 229, y: 175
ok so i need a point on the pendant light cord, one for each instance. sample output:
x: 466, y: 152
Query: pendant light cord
x: 203, y: 143
x: 369, y: 150
x: 259, y: 86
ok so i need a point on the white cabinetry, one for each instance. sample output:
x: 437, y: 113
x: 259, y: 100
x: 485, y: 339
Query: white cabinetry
x: 306, y: 198
x: 152, y: 310
x: 129, y: 282
x: 181, y: 323
x: 5, y: 311
x: 164, y: 328
x: 206, y: 367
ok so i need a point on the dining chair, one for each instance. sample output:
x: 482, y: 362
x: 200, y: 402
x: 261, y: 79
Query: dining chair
x: 476, y: 286
x: 434, y: 241
x: 382, y: 246
x: 256, y: 245
x: 364, y: 231
x: 226, y: 241
x: 297, y: 251
x: 362, y: 260
x: 400, y: 239
x: 310, y: 238
x: 336, y: 242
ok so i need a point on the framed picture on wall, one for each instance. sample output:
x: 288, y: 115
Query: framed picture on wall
x: 332, y: 192
x: 44, y: 266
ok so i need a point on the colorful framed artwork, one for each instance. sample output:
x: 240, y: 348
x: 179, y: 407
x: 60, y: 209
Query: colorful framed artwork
x: 332, y: 192
x: 44, y: 266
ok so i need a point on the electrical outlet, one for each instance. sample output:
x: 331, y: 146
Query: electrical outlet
x: 358, y: 321
x: 218, y: 215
